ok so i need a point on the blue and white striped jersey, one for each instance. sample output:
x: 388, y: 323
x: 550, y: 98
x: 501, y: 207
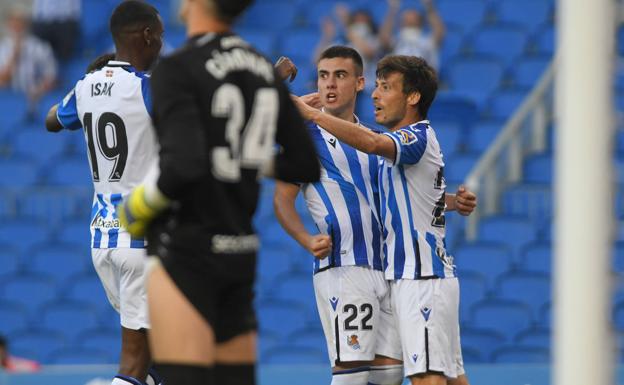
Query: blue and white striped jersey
x: 113, y: 106
x: 343, y: 203
x: 412, y: 193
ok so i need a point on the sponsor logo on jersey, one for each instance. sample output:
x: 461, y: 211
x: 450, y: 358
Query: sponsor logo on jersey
x: 408, y: 136
x: 102, y: 223
x: 352, y: 341
x: 332, y: 141
x: 414, y: 357
x: 334, y: 302
x: 426, y: 311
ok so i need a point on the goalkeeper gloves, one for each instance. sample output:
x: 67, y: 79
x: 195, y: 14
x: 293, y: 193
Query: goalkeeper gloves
x: 140, y: 208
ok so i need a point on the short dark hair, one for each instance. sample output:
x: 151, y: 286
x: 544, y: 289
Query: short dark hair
x: 131, y: 15
x: 344, y: 52
x: 418, y: 76
x: 229, y: 10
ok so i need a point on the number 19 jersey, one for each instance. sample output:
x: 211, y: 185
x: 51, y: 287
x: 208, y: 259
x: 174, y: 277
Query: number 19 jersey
x: 113, y: 106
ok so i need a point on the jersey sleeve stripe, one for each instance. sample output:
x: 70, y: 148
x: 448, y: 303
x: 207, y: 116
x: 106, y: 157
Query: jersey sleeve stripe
x: 332, y: 230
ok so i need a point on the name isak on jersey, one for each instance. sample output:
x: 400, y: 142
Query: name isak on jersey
x: 103, y: 89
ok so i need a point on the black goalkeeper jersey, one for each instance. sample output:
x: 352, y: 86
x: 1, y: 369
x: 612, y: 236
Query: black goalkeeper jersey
x: 221, y: 114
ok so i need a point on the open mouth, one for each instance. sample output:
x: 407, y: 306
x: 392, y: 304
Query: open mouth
x: 331, y: 97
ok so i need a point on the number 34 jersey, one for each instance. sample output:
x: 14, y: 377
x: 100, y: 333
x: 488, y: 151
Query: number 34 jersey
x: 113, y: 105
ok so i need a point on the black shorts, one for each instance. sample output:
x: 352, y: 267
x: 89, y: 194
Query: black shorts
x: 220, y: 287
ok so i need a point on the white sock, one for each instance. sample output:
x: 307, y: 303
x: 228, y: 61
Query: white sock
x: 386, y: 375
x: 125, y: 380
x: 355, y: 376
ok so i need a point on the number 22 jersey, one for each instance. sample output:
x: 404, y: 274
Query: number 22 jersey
x: 113, y: 106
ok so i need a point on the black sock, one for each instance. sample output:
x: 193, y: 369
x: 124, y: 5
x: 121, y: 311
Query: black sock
x: 235, y: 374
x: 177, y: 374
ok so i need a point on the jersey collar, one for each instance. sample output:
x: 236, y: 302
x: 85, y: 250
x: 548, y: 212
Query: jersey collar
x: 117, y: 63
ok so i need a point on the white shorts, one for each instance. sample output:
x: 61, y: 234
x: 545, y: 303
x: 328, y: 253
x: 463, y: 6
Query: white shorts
x: 122, y: 273
x: 427, y: 314
x: 356, y: 314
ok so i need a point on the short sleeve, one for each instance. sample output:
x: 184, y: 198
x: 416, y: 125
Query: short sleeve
x: 67, y: 113
x: 410, y: 143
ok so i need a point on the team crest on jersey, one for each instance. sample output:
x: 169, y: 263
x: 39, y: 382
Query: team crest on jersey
x: 352, y: 341
x: 408, y: 136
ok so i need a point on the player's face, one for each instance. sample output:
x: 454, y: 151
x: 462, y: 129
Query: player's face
x: 389, y: 100
x: 338, y: 83
x: 156, y: 40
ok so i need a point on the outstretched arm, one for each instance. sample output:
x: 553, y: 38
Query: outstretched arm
x: 434, y: 19
x: 284, y: 197
x: 51, y: 121
x: 350, y: 133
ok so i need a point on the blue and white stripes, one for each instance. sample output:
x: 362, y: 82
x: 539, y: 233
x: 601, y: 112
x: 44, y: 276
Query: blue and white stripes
x: 106, y: 231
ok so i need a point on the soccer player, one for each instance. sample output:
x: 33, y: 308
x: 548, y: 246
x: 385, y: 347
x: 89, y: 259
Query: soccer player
x: 219, y: 109
x: 424, y: 288
x: 112, y: 105
x: 344, y: 207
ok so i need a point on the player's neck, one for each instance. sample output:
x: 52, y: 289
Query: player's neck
x: 409, y: 118
x: 347, y: 114
x: 134, y: 60
x: 200, y: 24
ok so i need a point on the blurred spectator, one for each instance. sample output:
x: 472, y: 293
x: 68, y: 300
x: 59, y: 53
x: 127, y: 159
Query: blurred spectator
x: 411, y: 39
x: 58, y: 23
x: 358, y: 30
x: 27, y: 64
x: 14, y: 364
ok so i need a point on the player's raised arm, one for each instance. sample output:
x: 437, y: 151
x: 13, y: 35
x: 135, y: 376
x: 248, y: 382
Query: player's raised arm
x: 354, y: 135
x: 319, y: 245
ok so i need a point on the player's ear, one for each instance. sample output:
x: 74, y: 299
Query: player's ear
x: 147, y: 36
x: 413, y: 98
x: 361, y: 82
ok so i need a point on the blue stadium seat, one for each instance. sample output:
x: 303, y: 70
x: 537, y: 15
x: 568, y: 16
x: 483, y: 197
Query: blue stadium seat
x: 86, y: 288
x: 535, y: 337
x: 538, y: 169
x: 108, y: 340
x: 37, y: 344
x: 503, y: 104
x: 263, y: 41
x: 537, y: 258
x: 499, y: 228
x: 22, y: 234
x: 532, y: 289
x: 544, y: 40
x: 272, y: 262
x: 463, y: 13
x: 76, y: 232
x: 450, y: 106
x: 280, y: 317
x: 10, y: 262
x: 95, y: 15
x: 53, y: 206
x: 475, y: 78
x: 618, y: 316
x: 618, y: 257
x: 458, y: 166
x: 60, y: 261
x: 619, y: 171
x: 69, y: 318
x: 487, y: 260
x: 530, y: 14
x: 449, y: 134
x: 31, y: 290
x: 533, y: 200
x: 503, y: 42
x: 39, y: 146
x: 24, y: 173
x: 504, y: 317
x: 472, y: 289
x: 519, y: 354
x: 272, y: 15
x: 297, y: 287
x: 298, y: 44
x: 82, y: 356
x: 16, y: 104
x: 311, y: 337
x: 527, y: 71
x: 294, y: 355
x: 545, y: 316
x: 14, y: 316
x: 69, y: 171
x: 482, y: 135
x: 452, y: 45
x: 483, y: 341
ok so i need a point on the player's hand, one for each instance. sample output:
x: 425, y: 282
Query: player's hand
x: 319, y: 245
x: 137, y: 211
x: 465, y: 201
x: 286, y: 68
x: 307, y: 112
x: 312, y: 100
